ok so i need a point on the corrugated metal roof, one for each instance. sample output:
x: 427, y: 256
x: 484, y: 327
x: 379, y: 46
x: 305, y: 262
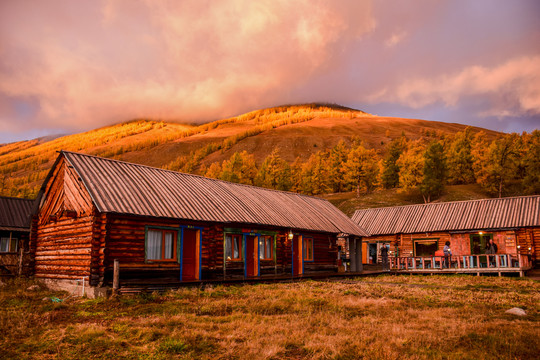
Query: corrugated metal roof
x: 15, y: 214
x: 522, y: 211
x: 121, y: 187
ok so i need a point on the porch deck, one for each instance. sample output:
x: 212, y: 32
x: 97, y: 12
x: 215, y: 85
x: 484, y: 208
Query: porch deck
x: 475, y: 264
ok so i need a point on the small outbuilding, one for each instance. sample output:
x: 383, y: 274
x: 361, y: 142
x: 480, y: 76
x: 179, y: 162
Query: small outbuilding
x: 15, y: 216
x: 419, y: 232
x: 165, y: 226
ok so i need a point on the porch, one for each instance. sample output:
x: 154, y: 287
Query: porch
x: 475, y: 264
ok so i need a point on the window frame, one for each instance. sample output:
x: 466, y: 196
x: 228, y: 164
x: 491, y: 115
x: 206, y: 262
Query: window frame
x: 163, y: 231
x: 265, y: 239
x: 483, y: 238
x: 304, y: 248
x: 10, y: 240
x: 425, y: 240
x: 240, y: 244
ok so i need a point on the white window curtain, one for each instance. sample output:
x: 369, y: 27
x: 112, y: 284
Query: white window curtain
x: 268, y: 247
x: 153, y: 245
x: 261, y: 247
x: 4, y: 244
x: 228, y: 247
x: 169, y: 251
x: 236, y: 240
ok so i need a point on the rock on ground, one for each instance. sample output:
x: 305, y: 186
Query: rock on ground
x: 516, y: 311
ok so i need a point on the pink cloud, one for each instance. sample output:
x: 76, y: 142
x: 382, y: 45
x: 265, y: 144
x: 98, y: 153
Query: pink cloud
x: 512, y: 85
x: 101, y: 62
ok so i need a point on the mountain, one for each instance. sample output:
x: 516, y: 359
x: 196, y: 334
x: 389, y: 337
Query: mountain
x: 296, y: 131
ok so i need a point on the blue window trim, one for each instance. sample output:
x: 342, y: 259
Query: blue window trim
x: 238, y: 231
x: 181, y: 242
x: 257, y: 235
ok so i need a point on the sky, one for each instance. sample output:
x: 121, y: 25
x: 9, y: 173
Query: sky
x: 71, y: 66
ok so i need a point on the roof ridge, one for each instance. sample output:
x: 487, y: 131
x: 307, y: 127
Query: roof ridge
x: 452, y: 202
x: 16, y: 198
x: 192, y: 175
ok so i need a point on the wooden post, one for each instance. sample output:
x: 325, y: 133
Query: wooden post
x: 20, y: 258
x: 359, y: 265
x: 116, y: 275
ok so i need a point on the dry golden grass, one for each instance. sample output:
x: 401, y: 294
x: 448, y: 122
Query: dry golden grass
x: 386, y: 317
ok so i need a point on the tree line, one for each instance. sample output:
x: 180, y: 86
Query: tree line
x: 510, y: 163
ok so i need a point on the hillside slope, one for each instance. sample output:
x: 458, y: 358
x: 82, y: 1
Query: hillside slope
x: 349, y: 203
x: 295, y: 131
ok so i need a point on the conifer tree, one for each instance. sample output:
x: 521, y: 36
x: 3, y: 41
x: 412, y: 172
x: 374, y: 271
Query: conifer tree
x: 336, y: 167
x: 390, y: 171
x: 296, y: 175
x: 460, y: 158
x: 411, y: 165
x: 213, y: 171
x: 434, y: 175
x: 498, y: 164
x: 531, y: 162
x: 240, y: 168
x: 362, y: 169
x: 306, y: 176
x: 321, y: 173
x: 274, y: 173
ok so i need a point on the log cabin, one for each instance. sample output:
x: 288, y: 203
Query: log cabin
x: 416, y: 234
x: 164, y: 226
x: 15, y: 216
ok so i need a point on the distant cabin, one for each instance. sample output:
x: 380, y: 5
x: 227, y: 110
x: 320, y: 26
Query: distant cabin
x: 15, y: 216
x: 164, y: 226
x: 422, y: 230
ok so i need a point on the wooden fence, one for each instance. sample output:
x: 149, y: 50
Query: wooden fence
x: 463, y: 263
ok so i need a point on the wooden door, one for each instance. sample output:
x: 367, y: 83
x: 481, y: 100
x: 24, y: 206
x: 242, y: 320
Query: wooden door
x: 364, y: 253
x: 298, y: 263
x: 190, y: 255
x: 252, y: 256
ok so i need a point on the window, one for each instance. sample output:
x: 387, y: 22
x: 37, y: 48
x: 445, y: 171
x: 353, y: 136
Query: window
x: 161, y: 245
x: 233, y: 246
x: 266, y: 250
x: 425, y: 247
x: 8, y: 245
x: 308, y: 249
x: 478, y: 243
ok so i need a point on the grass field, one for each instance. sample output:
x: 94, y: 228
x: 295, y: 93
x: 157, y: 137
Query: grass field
x: 385, y: 317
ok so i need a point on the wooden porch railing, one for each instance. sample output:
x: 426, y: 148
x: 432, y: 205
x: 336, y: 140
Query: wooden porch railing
x: 500, y: 262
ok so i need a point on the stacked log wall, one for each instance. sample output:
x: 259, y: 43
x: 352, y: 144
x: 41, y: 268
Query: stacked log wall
x: 125, y: 241
x: 62, y: 232
x: 63, y: 248
x: 324, y: 252
x: 529, y: 238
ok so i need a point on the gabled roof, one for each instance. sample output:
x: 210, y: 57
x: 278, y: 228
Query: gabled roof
x: 504, y: 213
x: 127, y: 188
x: 15, y: 213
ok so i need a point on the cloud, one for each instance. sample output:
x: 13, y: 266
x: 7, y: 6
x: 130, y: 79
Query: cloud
x: 94, y: 63
x: 395, y: 38
x: 509, y: 89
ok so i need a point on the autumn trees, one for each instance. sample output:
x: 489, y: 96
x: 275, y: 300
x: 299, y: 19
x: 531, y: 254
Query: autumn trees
x: 434, y: 176
x: 510, y: 163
